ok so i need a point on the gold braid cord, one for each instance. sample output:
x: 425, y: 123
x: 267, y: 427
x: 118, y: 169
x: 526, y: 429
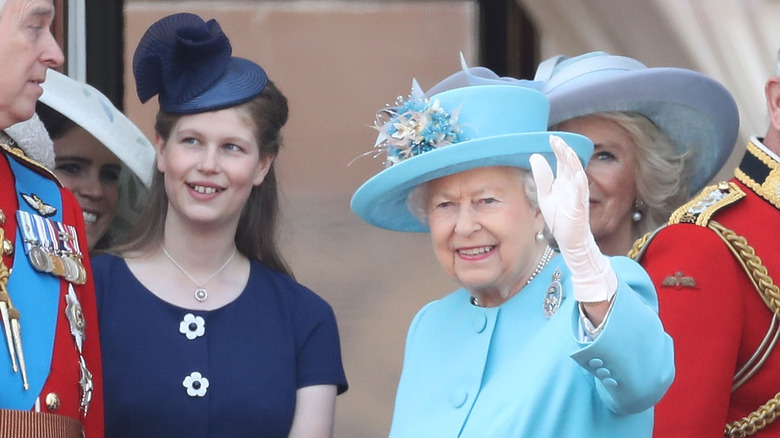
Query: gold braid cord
x: 756, y: 271
x: 757, y: 420
x: 635, y: 250
x: 752, y: 265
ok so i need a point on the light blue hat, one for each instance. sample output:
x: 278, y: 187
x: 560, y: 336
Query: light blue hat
x: 450, y: 132
x: 696, y: 112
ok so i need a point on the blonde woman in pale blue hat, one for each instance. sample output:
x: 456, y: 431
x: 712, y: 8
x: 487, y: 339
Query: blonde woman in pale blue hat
x: 660, y: 135
x: 537, y: 341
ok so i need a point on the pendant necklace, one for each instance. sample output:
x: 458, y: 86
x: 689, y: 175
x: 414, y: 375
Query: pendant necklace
x: 546, y: 256
x: 200, y: 293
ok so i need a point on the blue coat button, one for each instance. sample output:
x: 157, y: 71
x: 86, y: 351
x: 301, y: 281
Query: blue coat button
x: 480, y: 322
x: 603, y: 373
x: 458, y: 398
x: 595, y: 363
x: 610, y: 383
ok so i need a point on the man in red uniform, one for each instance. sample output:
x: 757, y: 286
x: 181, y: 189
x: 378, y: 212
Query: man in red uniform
x: 50, y: 373
x: 713, y: 267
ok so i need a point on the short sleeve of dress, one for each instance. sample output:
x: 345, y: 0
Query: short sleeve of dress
x: 318, y: 347
x: 102, y: 266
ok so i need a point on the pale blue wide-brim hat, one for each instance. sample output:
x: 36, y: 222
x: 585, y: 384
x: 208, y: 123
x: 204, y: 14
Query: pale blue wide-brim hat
x: 696, y: 112
x: 472, y: 126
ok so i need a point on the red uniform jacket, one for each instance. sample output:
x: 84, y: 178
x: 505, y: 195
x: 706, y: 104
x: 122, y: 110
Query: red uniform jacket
x: 718, y: 322
x: 63, y: 382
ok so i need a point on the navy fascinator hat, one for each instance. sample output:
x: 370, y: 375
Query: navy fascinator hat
x: 188, y: 63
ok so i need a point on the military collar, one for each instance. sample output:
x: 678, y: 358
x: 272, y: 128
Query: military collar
x: 761, y: 172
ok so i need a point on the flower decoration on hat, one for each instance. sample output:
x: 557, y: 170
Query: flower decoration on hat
x: 415, y: 126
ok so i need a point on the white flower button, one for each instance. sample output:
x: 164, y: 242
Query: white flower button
x: 192, y: 326
x: 196, y: 384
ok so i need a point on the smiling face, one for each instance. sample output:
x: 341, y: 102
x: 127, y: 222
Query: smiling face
x: 28, y: 48
x: 483, y: 230
x: 91, y: 172
x: 211, y: 162
x: 611, y: 179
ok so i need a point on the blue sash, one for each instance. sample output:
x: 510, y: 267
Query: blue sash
x: 36, y: 295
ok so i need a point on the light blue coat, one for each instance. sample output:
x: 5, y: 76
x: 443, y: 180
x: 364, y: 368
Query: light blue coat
x: 508, y: 371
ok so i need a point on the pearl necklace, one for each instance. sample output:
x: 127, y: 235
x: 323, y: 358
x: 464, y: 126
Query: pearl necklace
x: 200, y: 293
x: 546, y: 256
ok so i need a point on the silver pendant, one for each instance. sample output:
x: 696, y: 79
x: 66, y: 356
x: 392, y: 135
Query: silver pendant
x: 201, y: 294
x: 75, y: 317
x: 554, y: 295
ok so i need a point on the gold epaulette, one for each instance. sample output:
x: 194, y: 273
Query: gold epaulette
x: 701, y: 208
x: 761, y: 173
x: 697, y: 211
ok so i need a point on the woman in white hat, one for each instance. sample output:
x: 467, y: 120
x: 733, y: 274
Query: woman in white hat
x: 538, y: 341
x: 659, y: 134
x: 93, y: 142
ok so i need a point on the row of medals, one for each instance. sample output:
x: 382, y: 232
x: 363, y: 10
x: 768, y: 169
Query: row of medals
x: 65, y: 265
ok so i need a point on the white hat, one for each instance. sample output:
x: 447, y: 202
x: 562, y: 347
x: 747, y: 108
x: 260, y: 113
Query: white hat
x: 90, y: 109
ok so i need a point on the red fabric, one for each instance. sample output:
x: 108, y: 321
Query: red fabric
x: 718, y: 324
x: 64, y: 376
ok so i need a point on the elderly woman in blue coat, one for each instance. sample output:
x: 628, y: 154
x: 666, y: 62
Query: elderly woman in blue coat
x: 547, y: 337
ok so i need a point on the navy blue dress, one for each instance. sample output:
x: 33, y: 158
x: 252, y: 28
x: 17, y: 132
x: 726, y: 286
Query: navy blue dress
x: 230, y: 372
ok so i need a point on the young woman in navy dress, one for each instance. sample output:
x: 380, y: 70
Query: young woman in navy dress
x: 204, y: 331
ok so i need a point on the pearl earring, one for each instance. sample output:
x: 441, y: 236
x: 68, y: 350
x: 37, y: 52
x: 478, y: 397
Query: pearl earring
x: 639, y: 205
x: 539, y: 236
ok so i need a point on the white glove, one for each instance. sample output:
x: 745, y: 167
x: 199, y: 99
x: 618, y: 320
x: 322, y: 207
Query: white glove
x: 565, y: 207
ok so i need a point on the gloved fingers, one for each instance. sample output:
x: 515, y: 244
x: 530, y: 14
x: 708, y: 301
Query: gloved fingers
x: 568, y: 163
x: 582, y: 190
x: 559, y: 147
x: 543, y: 174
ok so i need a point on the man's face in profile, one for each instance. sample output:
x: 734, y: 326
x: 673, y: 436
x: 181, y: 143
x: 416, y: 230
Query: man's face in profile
x: 28, y: 49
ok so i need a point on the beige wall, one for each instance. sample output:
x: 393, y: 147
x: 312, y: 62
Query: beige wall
x: 338, y: 62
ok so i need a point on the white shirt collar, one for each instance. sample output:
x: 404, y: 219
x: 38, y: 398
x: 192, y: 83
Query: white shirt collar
x: 766, y: 150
